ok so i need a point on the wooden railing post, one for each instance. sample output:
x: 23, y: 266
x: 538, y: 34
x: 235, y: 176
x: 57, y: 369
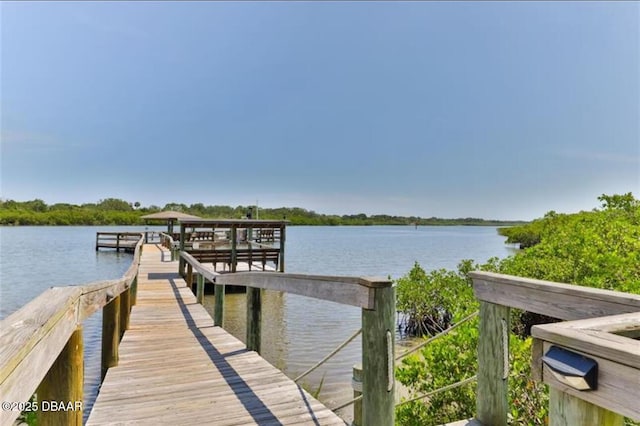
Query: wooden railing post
x: 493, y: 356
x: 357, y: 391
x: 378, y: 341
x: 189, y: 278
x: 110, y: 334
x: 218, y: 311
x: 254, y: 317
x: 568, y: 410
x: 181, y: 261
x: 234, y: 248
x: 134, y: 291
x: 200, y: 288
x: 282, y: 240
x: 63, y: 384
x: 125, y: 308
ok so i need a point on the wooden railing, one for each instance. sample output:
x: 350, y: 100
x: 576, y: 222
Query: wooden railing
x: 375, y: 296
x: 117, y: 240
x: 243, y: 240
x: 167, y: 241
x: 41, y: 348
x: 618, y: 355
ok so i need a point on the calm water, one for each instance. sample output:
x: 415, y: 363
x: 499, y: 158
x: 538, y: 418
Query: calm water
x: 33, y: 259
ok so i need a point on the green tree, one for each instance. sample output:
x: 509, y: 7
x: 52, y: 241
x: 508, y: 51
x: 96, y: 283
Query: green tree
x: 114, y: 204
x: 623, y: 202
x: 600, y: 248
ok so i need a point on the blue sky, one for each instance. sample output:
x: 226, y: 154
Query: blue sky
x: 491, y: 109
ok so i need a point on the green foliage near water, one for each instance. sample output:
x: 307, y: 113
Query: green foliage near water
x: 600, y: 248
x: 113, y: 211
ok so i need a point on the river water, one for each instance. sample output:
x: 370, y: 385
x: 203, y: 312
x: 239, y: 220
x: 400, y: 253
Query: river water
x: 297, y: 331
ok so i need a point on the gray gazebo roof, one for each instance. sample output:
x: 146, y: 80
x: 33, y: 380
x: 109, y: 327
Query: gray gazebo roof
x: 170, y: 217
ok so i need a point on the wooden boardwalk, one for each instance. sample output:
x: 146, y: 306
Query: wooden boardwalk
x: 176, y: 368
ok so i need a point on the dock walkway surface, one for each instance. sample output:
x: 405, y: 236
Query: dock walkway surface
x: 176, y: 368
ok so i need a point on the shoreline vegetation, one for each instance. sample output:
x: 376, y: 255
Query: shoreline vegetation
x: 113, y: 211
x: 598, y: 248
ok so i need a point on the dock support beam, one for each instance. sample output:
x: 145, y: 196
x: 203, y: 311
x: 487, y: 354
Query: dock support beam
x: 200, y: 288
x: 234, y: 248
x: 357, y: 391
x: 134, y: 290
x: 283, y: 238
x: 567, y: 410
x: 378, y: 368
x: 254, y: 316
x: 181, y: 261
x: 493, y: 356
x: 125, y: 308
x: 189, y: 278
x: 110, y: 335
x: 218, y: 311
x: 64, y: 383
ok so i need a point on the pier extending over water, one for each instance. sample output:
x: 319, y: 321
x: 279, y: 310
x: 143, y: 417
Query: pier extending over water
x: 165, y: 361
x: 175, y: 367
x: 172, y: 361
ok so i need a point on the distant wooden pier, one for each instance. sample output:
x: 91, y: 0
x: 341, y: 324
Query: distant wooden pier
x: 125, y: 241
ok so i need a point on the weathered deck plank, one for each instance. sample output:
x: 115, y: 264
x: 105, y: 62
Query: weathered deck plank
x: 177, y: 368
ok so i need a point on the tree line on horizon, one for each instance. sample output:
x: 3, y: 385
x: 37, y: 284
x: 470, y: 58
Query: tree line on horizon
x: 114, y: 211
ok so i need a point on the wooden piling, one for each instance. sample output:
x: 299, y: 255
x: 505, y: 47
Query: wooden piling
x: 282, y: 240
x: 357, y: 391
x: 181, y: 261
x: 218, y: 312
x: 254, y: 316
x: 568, y: 410
x: 134, y: 291
x: 125, y: 309
x: 491, y: 401
x: 189, y: 278
x: 110, y: 335
x: 63, y: 383
x: 234, y: 248
x: 378, y: 341
x: 200, y: 288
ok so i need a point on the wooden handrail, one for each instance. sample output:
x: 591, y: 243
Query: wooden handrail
x: 563, y: 301
x: 353, y: 291
x: 498, y: 293
x: 376, y: 297
x: 170, y: 244
x: 33, y: 338
x: 198, y: 267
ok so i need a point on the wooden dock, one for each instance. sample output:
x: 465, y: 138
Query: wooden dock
x: 176, y: 367
x: 165, y: 361
x: 126, y: 241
